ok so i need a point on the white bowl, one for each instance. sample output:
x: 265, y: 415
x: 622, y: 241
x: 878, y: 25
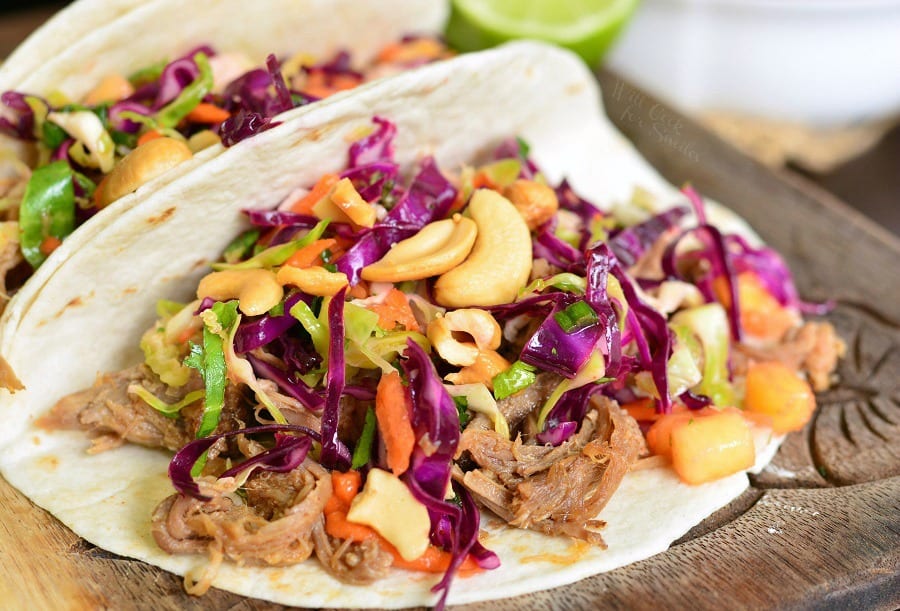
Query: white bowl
x: 819, y: 62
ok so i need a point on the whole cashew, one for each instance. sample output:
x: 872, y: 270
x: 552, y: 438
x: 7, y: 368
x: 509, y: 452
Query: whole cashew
x: 142, y: 165
x: 256, y: 290
x: 500, y: 262
x: 438, y: 247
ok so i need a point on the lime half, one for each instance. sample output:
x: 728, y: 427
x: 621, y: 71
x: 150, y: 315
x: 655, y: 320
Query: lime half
x: 587, y: 27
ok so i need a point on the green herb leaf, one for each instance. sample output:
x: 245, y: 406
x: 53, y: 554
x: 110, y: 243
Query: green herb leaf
x: 276, y: 255
x: 518, y: 377
x: 462, y: 406
x: 241, y: 246
x: 576, y: 317
x: 524, y: 147
x: 362, y: 454
x: 209, y: 360
x: 47, y: 210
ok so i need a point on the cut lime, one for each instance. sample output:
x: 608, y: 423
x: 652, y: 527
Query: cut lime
x: 587, y: 27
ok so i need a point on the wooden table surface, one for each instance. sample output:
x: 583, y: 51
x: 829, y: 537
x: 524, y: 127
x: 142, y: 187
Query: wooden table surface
x: 819, y: 529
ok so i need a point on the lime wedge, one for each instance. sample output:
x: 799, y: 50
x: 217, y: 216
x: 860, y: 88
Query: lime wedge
x: 587, y: 27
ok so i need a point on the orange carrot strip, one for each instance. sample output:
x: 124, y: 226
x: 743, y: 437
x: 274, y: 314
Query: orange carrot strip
x: 359, y: 291
x: 434, y: 560
x: 148, y: 136
x: 207, y: 113
x: 483, y: 181
x: 305, y: 204
x: 336, y: 525
x: 310, y: 254
x: 346, y: 485
x: 395, y: 309
x: 49, y: 244
x: 642, y: 409
x: 392, y: 413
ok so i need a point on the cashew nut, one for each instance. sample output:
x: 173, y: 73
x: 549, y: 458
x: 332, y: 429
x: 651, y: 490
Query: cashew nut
x: 536, y: 202
x: 477, y: 323
x: 315, y: 280
x: 256, y: 290
x: 112, y: 88
x: 347, y: 198
x: 142, y: 165
x: 437, y: 248
x: 500, y: 262
x: 203, y: 139
x: 488, y: 364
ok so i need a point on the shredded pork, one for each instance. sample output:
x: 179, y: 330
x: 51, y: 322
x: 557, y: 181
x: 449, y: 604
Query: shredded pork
x: 554, y: 490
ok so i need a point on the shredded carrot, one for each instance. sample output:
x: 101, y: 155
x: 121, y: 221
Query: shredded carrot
x: 359, y: 291
x: 49, y: 244
x: 434, y: 560
x: 207, y: 113
x: 148, y: 136
x: 642, y: 409
x: 305, y: 204
x: 320, y: 85
x: 392, y: 413
x: 311, y: 254
x: 420, y: 49
x: 395, y: 310
x: 345, y: 487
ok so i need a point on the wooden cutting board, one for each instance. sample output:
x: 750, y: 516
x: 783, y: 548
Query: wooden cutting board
x: 819, y: 528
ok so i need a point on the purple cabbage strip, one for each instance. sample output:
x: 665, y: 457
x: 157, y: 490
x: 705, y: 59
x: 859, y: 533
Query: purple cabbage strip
x: 716, y: 253
x: 551, y: 348
x: 280, y: 218
x: 377, y: 146
x: 294, y: 388
x: 62, y: 152
x: 335, y: 454
x: 558, y: 252
x: 537, y: 305
x: 556, y: 434
x: 598, y: 266
x: 694, y: 401
x: 288, y: 453
x: 630, y: 243
x: 585, y: 210
x: 434, y: 415
x: 242, y: 125
x: 22, y: 128
x: 265, y: 329
x: 175, y: 77
x: 282, y: 93
x: 184, y: 460
x: 428, y: 199
x: 126, y: 125
x: 653, y: 328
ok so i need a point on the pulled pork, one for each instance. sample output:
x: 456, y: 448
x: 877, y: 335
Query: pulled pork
x: 272, y: 525
x: 554, y: 490
x: 112, y: 415
x: 357, y: 563
x: 814, y: 348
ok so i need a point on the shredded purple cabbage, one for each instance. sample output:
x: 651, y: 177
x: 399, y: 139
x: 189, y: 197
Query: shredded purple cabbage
x: 22, y: 126
x: 293, y: 388
x: 335, y: 454
x: 284, y: 458
x: 630, y: 243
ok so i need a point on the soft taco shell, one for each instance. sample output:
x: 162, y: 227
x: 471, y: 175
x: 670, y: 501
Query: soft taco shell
x: 94, y: 307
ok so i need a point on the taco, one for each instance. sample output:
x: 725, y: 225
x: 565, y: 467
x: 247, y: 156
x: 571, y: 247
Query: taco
x: 122, y: 105
x: 493, y: 401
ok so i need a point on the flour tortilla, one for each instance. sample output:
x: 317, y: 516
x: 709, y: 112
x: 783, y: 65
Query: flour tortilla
x: 93, y: 309
x: 255, y: 29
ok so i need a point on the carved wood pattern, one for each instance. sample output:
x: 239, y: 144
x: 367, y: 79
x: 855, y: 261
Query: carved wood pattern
x: 819, y: 528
